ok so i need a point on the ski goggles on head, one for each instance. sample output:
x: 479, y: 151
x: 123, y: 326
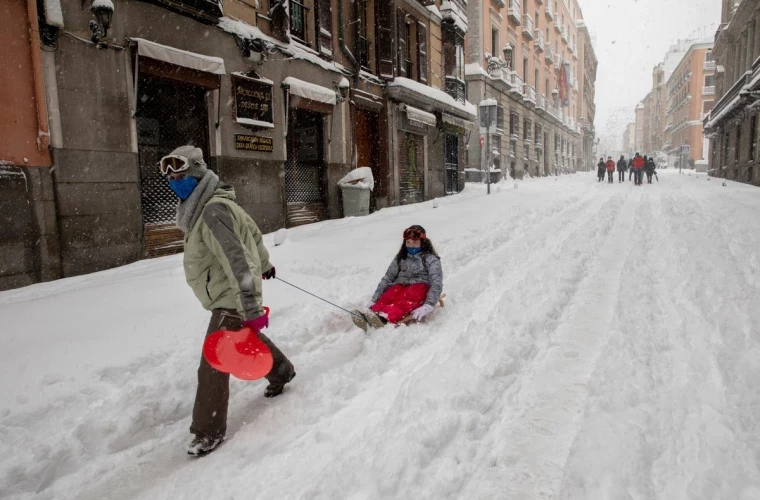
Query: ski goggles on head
x: 413, y: 234
x: 173, y: 163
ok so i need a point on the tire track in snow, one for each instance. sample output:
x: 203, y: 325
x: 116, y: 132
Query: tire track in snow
x: 535, y: 442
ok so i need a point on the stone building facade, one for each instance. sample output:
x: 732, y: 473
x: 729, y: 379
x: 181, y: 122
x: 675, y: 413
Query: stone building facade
x: 527, y: 56
x: 732, y: 124
x: 283, y: 96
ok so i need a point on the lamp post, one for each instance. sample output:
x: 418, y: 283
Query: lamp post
x: 488, y: 115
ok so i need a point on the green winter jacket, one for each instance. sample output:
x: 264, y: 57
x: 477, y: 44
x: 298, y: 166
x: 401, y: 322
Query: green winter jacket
x: 225, y: 257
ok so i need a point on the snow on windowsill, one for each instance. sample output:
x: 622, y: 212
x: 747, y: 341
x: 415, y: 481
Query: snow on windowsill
x: 254, y: 123
x: 259, y: 79
x: 474, y: 69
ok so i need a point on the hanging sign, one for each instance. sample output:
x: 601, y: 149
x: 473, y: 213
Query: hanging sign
x: 254, y: 143
x: 253, y: 101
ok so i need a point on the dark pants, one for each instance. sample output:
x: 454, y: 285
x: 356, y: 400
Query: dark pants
x: 639, y: 176
x: 609, y: 175
x: 630, y: 174
x: 600, y: 175
x: 621, y: 176
x: 649, y: 177
x: 213, y: 394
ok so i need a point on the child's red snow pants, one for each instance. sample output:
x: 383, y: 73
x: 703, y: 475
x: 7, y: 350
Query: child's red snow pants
x: 400, y: 300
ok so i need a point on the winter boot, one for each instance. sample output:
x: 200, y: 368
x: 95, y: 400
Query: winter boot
x: 201, y: 445
x: 360, y: 320
x: 273, y: 390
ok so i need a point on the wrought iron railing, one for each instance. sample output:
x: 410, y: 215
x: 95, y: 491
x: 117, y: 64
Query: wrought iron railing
x: 456, y: 88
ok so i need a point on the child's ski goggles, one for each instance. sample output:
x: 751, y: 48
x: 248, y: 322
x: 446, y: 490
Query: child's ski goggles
x: 413, y: 234
x: 173, y: 163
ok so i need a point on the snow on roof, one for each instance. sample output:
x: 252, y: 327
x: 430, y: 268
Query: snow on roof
x: 296, y: 51
x: 437, y: 94
x: 311, y: 91
x: 434, y: 10
x: 451, y: 13
x: 184, y: 58
x: 53, y: 13
x: 488, y: 102
x: 715, y: 119
x: 259, y: 79
x: 102, y: 3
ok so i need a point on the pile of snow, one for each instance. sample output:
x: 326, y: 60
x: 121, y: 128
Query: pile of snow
x: 360, y: 178
x: 280, y: 236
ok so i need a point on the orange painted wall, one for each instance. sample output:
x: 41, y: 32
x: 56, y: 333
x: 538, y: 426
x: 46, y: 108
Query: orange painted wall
x: 18, y: 111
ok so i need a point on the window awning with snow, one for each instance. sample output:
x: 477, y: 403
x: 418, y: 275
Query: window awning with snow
x: 311, y: 91
x: 179, y: 57
x: 419, y: 116
x: 458, y: 122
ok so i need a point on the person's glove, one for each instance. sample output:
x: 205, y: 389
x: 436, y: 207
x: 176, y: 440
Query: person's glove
x: 257, y: 324
x: 370, y: 304
x: 271, y: 274
x: 422, y: 311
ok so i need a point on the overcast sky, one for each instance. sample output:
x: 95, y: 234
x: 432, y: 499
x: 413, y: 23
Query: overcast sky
x: 632, y: 36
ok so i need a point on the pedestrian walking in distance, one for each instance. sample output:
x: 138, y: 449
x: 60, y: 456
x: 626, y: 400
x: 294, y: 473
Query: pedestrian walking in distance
x: 600, y: 168
x: 610, y: 169
x: 622, y: 166
x: 225, y: 260
x: 638, y: 165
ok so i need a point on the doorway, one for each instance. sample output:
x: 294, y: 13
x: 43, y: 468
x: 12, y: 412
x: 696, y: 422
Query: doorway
x: 451, y: 160
x: 368, y: 154
x: 169, y: 114
x: 305, y: 179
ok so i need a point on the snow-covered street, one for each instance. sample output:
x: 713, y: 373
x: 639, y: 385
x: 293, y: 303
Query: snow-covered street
x: 599, y: 342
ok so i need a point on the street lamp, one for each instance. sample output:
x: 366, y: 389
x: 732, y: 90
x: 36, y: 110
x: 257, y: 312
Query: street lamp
x: 103, y: 10
x: 488, y: 119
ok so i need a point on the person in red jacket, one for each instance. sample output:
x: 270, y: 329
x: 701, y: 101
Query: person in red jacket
x: 638, y: 165
x: 610, y: 169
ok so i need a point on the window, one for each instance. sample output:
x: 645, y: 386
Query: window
x: 527, y: 130
x: 753, y: 138
x: 508, y: 56
x: 708, y: 55
x: 384, y: 39
x: 500, y: 118
x: 298, y: 20
x: 709, y: 80
x: 324, y: 21
x: 536, y: 79
x: 364, y: 45
x: 514, y: 124
x: 403, y: 64
x: 453, y: 60
x: 707, y: 106
x: 494, y: 42
x: 422, y: 53
x: 525, y: 69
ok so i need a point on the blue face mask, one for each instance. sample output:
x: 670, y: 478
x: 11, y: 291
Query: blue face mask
x: 183, y: 188
x: 413, y: 250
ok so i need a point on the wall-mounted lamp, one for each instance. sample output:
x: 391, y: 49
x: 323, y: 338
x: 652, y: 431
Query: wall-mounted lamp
x: 341, y: 89
x: 103, y: 10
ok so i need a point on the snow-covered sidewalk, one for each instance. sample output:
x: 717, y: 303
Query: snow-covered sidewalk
x: 599, y: 342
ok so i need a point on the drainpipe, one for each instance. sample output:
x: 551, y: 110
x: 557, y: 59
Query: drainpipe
x: 43, y: 134
x: 355, y: 63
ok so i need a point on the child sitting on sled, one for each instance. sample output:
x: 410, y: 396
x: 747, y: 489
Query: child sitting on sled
x: 411, y: 286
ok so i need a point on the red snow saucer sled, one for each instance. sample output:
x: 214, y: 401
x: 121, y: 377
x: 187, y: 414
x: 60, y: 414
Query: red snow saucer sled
x: 240, y: 353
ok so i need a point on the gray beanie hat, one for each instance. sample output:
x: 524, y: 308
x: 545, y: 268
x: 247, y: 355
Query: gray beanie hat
x: 195, y: 157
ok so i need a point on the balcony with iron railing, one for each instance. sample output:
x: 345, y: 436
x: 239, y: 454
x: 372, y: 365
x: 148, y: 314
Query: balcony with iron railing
x: 540, y: 102
x: 298, y: 15
x: 549, y: 55
x: 529, y: 95
x: 710, y: 90
x: 527, y: 27
x: 709, y: 66
x: 539, y: 41
x: 456, y: 88
x: 549, y: 12
x: 515, y: 11
x: 517, y: 84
